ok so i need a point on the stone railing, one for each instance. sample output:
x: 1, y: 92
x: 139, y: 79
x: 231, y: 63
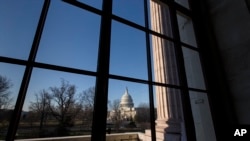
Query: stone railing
x: 130, y: 136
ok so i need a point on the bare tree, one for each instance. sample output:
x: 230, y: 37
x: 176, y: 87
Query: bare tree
x: 5, y: 103
x: 87, y: 103
x: 59, y: 102
x: 40, y: 106
x: 87, y: 97
x: 63, y: 105
x: 5, y: 99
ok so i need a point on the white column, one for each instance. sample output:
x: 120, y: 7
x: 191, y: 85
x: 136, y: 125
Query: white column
x: 169, y: 111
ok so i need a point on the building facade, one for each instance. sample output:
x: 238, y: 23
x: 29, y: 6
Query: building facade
x: 124, y: 110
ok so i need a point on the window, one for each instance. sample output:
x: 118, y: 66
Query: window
x: 70, y: 37
x: 80, y: 68
x: 18, y: 27
x: 128, y: 51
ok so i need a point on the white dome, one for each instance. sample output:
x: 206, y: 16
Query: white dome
x: 126, y: 100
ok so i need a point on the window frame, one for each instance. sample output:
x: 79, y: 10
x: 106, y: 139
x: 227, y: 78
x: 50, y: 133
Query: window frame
x: 102, y: 74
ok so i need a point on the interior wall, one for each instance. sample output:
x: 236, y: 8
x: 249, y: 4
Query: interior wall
x: 230, y: 20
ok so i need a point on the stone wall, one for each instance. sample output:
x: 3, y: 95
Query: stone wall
x: 109, y: 137
x: 231, y: 26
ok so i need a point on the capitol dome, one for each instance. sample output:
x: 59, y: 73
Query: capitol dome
x: 126, y: 100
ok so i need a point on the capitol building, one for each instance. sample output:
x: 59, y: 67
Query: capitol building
x: 126, y: 110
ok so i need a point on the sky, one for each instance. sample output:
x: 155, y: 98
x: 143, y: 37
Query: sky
x: 71, y: 39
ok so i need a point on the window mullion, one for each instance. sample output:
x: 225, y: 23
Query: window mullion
x: 27, y: 74
x: 101, y: 91
x: 186, y: 105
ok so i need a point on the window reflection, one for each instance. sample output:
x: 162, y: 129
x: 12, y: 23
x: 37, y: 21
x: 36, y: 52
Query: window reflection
x: 186, y: 29
x: 193, y: 68
x: 168, y: 103
x: 164, y: 61
x: 160, y: 18
x: 202, y: 116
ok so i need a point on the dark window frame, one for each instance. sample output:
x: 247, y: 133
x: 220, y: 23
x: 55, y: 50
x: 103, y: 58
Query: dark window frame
x: 102, y: 74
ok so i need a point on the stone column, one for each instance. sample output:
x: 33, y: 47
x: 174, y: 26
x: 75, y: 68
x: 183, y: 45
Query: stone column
x: 168, y: 100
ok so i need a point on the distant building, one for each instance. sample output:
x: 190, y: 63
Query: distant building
x: 127, y: 108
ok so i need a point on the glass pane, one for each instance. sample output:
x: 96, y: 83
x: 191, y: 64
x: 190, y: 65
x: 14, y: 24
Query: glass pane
x: 132, y: 10
x: 193, y: 69
x: 128, y: 108
x: 186, y: 29
x: 18, y: 20
x: 169, y: 112
x: 164, y: 61
x: 10, y: 81
x: 128, y: 51
x: 160, y: 18
x: 70, y: 37
x: 183, y: 3
x: 94, y: 3
x: 57, y: 104
x: 168, y: 103
x: 202, y: 117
